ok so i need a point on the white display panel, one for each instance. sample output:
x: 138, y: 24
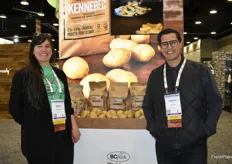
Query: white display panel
x: 115, y: 146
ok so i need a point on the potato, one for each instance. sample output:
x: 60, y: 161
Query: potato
x: 99, y: 111
x: 117, y: 58
x: 141, y: 111
x: 130, y: 114
x: 76, y: 68
x: 115, y: 116
x: 142, y: 117
x: 122, y: 43
x: 143, y: 52
x: 141, y: 39
x: 123, y: 36
x: 93, y: 77
x: 84, y: 114
x: 120, y: 112
x: 102, y: 116
x: 93, y: 115
x: 138, y: 114
x: 122, y: 116
x: 94, y: 109
x: 125, y: 76
x: 113, y: 112
x: 159, y: 49
x: 104, y: 112
x: 108, y: 115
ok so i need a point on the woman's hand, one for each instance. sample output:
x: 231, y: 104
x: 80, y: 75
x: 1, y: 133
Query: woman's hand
x: 75, y: 130
x: 75, y: 134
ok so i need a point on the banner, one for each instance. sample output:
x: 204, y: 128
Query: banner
x: 85, y: 18
x: 127, y: 58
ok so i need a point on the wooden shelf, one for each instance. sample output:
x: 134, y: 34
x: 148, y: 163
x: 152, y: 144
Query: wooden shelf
x: 105, y: 123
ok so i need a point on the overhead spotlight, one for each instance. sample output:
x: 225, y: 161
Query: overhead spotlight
x: 16, y: 36
x: 231, y: 23
x: 29, y: 40
x: 185, y: 33
x: 24, y: 2
x: 16, y: 40
x: 55, y: 49
x: 229, y: 0
x: 41, y: 14
x: 198, y: 22
x: 23, y: 26
x: 3, y: 16
x: 188, y: 42
x: 195, y: 38
x: 55, y: 24
x: 213, y: 11
x: 213, y: 32
x: 53, y: 40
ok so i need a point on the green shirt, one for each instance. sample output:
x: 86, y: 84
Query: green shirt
x: 49, y: 75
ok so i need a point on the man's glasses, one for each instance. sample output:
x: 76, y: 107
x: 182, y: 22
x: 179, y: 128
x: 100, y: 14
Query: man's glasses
x: 172, y: 43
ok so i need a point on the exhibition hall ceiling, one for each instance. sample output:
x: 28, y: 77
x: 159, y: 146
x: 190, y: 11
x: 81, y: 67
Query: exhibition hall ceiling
x: 194, y: 10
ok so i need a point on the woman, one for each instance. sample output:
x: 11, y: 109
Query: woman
x: 40, y: 103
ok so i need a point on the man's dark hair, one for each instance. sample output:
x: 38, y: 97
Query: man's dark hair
x: 168, y: 31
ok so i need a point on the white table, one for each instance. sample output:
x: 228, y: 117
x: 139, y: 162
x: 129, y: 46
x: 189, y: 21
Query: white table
x: 115, y: 146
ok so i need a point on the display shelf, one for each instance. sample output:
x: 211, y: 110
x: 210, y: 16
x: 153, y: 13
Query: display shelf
x: 106, y: 123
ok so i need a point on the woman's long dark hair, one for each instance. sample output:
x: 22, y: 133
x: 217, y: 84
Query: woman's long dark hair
x: 34, y: 86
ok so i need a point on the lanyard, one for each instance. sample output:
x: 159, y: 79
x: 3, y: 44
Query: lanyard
x: 178, y: 77
x: 50, y: 85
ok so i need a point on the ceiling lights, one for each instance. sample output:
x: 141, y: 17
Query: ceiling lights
x: 24, y: 2
x: 41, y: 13
x: 53, y: 40
x: 195, y: 38
x: 29, y: 40
x: 16, y: 40
x: 55, y: 24
x: 3, y: 16
x: 16, y: 36
x: 198, y: 22
x: 213, y: 11
x: 185, y: 33
x: 23, y: 26
x: 188, y: 42
x: 213, y: 32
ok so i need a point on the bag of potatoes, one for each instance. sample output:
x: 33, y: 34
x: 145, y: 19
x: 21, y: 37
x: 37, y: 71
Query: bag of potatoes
x: 118, y: 94
x: 98, y: 95
x: 77, y: 97
x: 137, y: 93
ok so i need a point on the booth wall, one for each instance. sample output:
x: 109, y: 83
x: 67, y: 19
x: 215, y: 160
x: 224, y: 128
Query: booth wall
x: 13, y: 57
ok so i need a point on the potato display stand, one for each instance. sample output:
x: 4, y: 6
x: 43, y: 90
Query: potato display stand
x: 108, y: 123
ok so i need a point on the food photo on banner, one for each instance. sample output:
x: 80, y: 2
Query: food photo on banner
x: 103, y: 69
x: 136, y: 17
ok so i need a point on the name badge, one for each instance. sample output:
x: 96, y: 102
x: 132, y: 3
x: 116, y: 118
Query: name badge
x: 58, y: 112
x: 172, y: 104
x: 173, y: 110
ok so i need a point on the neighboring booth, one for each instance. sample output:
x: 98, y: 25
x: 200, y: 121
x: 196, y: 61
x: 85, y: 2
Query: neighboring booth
x: 87, y: 53
x: 13, y: 57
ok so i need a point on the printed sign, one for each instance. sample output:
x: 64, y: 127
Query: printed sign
x: 85, y: 18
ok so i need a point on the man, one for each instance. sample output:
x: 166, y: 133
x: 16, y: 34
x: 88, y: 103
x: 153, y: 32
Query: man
x: 182, y: 105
